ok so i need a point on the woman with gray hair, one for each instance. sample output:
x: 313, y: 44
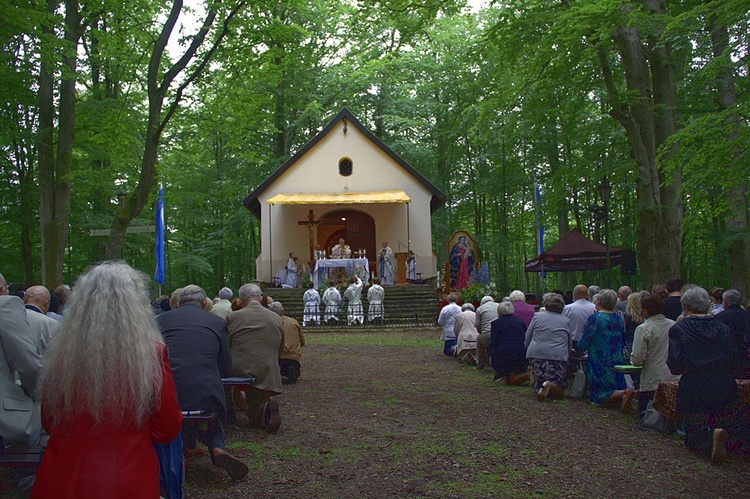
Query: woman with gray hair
x: 701, y: 350
x: 107, y: 391
x: 604, y: 338
x: 507, y: 347
x: 548, y: 341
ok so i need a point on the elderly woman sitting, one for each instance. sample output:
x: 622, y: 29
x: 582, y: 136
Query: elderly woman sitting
x: 466, y: 335
x: 700, y: 348
x: 548, y: 342
x: 650, y: 349
x: 507, y: 347
x: 604, y: 337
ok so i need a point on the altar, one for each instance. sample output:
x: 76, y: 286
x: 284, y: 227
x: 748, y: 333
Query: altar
x: 323, y: 268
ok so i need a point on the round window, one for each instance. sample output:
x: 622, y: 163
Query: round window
x: 345, y: 167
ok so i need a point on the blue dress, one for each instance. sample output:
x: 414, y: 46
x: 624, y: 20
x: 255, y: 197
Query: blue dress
x: 604, y: 337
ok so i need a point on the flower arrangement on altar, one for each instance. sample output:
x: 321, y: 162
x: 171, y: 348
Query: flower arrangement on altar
x: 479, y: 286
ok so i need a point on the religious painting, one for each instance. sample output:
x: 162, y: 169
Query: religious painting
x: 462, y: 261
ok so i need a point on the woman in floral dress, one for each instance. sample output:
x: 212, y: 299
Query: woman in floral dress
x: 604, y: 338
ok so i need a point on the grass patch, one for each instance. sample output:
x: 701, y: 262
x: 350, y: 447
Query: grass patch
x: 375, y: 339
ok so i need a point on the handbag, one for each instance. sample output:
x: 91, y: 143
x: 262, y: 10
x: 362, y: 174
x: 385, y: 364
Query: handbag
x: 653, y: 420
x: 579, y: 383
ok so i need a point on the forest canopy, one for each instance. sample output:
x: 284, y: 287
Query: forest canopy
x: 104, y: 100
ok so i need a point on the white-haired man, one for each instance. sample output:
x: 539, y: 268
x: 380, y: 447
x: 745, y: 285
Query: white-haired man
x: 485, y: 314
x: 223, y: 307
x: 199, y: 355
x: 256, y: 339
x: 3, y: 286
x: 522, y: 310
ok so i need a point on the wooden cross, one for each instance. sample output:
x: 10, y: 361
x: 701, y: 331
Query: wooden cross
x: 311, y: 223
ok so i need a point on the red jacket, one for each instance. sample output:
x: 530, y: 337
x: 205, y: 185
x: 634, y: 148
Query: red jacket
x: 107, y: 461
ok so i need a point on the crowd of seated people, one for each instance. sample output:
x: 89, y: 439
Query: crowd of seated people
x: 167, y: 357
x: 704, y: 349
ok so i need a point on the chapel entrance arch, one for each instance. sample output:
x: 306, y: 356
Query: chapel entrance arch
x: 356, y: 227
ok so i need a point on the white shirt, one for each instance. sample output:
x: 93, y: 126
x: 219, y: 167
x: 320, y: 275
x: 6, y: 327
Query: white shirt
x: 578, y: 312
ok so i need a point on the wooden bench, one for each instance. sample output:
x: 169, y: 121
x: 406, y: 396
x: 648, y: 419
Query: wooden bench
x: 21, y: 456
x: 202, y: 419
x: 228, y: 384
x: 198, y: 419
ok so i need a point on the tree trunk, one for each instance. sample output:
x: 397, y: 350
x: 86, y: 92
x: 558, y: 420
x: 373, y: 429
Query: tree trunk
x: 54, y: 174
x: 647, y: 117
x: 737, y: 223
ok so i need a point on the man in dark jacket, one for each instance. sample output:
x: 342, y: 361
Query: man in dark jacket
x: 701, y: 350
x: 736, y: 318
x: 199, y: 355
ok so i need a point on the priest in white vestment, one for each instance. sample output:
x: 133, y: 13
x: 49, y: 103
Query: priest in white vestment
x: 341, y: 250
x: 332, y: 299
x: 353, y: 294
x: 386, y: 265
x: 375, y: 296
x: 311, y: 299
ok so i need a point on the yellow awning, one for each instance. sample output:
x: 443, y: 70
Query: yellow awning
x: 380, y: 197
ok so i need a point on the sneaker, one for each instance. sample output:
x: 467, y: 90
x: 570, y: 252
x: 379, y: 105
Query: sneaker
x: 719, y: 449
x: 235, y: 468
x: 541, y: 395
x: 499, y: 379
x: 273, y: 418
x: 291, y: 374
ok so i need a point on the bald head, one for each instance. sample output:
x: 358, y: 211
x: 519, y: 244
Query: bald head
x: 3, y: 286
x: 37, y: 296
x: 580, y: 291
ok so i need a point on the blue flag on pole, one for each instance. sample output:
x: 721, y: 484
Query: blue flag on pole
x: 159, y: 273
x: 540, y: 230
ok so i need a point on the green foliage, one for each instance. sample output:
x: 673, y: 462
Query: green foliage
x: 483, y: 104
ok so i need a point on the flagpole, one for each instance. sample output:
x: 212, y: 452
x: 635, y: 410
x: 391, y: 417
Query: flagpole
x: 159, y: 244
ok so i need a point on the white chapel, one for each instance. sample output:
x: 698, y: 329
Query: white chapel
x: 345, y: 183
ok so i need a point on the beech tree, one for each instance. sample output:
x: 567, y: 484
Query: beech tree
x: 164, y: 101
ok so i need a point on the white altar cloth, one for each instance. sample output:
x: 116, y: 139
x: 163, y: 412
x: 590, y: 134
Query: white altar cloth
x: 360, y: 265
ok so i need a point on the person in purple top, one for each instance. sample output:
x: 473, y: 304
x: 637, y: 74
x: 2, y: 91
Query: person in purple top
x: 523, y: 310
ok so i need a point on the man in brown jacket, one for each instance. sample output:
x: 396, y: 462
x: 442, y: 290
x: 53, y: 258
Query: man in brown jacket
x: 294, y: 340
x: 256, y: 340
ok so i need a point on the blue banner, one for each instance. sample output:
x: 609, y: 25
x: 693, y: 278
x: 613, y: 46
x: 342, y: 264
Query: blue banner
x: 540, y: 229
x: 159, y: 246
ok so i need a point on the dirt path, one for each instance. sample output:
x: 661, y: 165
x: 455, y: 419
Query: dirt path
x: 386, y: 414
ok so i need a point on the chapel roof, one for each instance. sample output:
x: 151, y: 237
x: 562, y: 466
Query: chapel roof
x: 252, y: 202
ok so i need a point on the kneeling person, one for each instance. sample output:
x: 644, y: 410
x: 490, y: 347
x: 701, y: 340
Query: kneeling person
x: 294, y: 340
x: 199, y: 354
x: 256, y: 340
